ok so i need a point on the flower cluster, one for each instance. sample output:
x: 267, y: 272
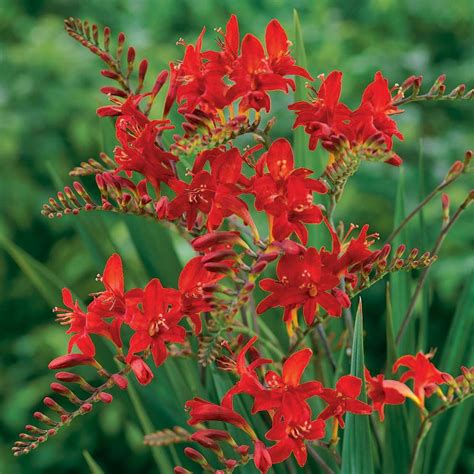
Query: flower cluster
x: 284, y: 397
x: 242, y: 209
x: 326, y: 118
x: 154, y: 314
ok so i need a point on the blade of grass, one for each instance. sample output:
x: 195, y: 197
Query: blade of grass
x: 45, y: 281
x: 159, y: 454
x: 452, y: 427
x: 396, y: 447
x: 357, y: 442
x: 399, y: 281
x: 425, y: 292
x: 91, y: 463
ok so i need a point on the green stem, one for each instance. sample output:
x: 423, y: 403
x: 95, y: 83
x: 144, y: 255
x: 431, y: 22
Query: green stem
x: 439, y: 241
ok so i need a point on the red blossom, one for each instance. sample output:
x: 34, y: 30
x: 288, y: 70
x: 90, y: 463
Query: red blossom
x: 262, y: 457
x: 344, y: 399
x: 285, y: 391
x: 372, y: 116
x: 82, y: 324
x: 302, y: 282
x: 215, y: 194
x: 325, y: 115
x: 286, y: 193
x: 426, y: 377
x: 158, y: 323
x: 385, y: 392
x: 291, y: 436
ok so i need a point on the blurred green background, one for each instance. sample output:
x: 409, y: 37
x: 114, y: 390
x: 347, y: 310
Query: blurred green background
x: 48, y: 96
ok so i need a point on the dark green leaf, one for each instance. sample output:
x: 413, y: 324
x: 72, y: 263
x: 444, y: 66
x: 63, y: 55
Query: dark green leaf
x: 357, y: 442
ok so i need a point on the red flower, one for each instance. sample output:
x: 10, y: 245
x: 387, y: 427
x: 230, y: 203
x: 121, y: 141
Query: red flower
x: 291, y: 435
x: 344, y: 399
x: 256, y: 73
x: 158, y: 323
x: 302, y: 282
x: 372, y: 116
x: 214, y: 194
x: 248, y: 380
x: 201, y: 410
x: 348, y: 256
x: 114, y: 302
x: 199, y: 85
x: 286, y: 392
x: 81, y: 324
x: 139, y: 151
x: 222, y: 61
x: 325, y: 115
x: 385, y: 392
x: 285, y: 193
x: 426, y: 377
x: 191, y: 284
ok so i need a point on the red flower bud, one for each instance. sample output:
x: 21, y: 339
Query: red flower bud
x: 141, y: 370
x: 207, y: 241
x: 70, y: 360
x: 105, y: 397
x: 262, y: 458
x: 120, y: 381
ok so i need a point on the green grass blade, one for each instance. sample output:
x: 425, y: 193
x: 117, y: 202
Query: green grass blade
x: 396, y: 446
x: 303, y: 156
x: 452, y: 427
x: 160, y: 455
x: 45, y: 281
x: 91, y: 463
x: 357, y: 446
x: 155, y: 248
x: 399, y: 281
x: 422, y: 232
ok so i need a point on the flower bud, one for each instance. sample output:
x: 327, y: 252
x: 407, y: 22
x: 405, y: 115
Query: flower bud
x: 120, y: 381
x: 262, y: 458
x: 211, y: 239
x: 195, y: 456
x: 70, y: 360
x: 141, y: 370
x: 105, y: 397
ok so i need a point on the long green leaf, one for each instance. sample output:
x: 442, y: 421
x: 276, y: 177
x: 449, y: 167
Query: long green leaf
x: 425, y: 292
x: 399, y: 281
x: 46, y: 282
x: 357, y: 443
x: 302, y: 154
x: 156, y: 249
x: 396, y: 447
x: 159, y: 453
x: 91, y: 463
x: 451, y: 428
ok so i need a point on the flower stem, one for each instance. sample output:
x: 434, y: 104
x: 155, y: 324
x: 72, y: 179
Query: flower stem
x: 439, y: 241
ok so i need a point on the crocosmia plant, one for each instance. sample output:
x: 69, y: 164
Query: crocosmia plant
x: 265, y: 323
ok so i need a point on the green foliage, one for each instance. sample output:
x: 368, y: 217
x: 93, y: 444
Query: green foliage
x: 357, y: 444
x: 48, y: 94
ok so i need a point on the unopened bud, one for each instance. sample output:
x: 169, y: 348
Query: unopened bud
x: 120, y: 381
x: 71, y: 360
x: 105, y: 397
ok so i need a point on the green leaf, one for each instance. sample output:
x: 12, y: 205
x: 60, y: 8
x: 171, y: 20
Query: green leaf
x: 451, y: 428
x: 425, y: 291
x: 155, y: 248
x: 396, y: 446
x: 91, y: 463
x: 357, y: 442
x: 303, y: 157
x: 399, y: 281
x: 159, y: 453
x: 46, y: 282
